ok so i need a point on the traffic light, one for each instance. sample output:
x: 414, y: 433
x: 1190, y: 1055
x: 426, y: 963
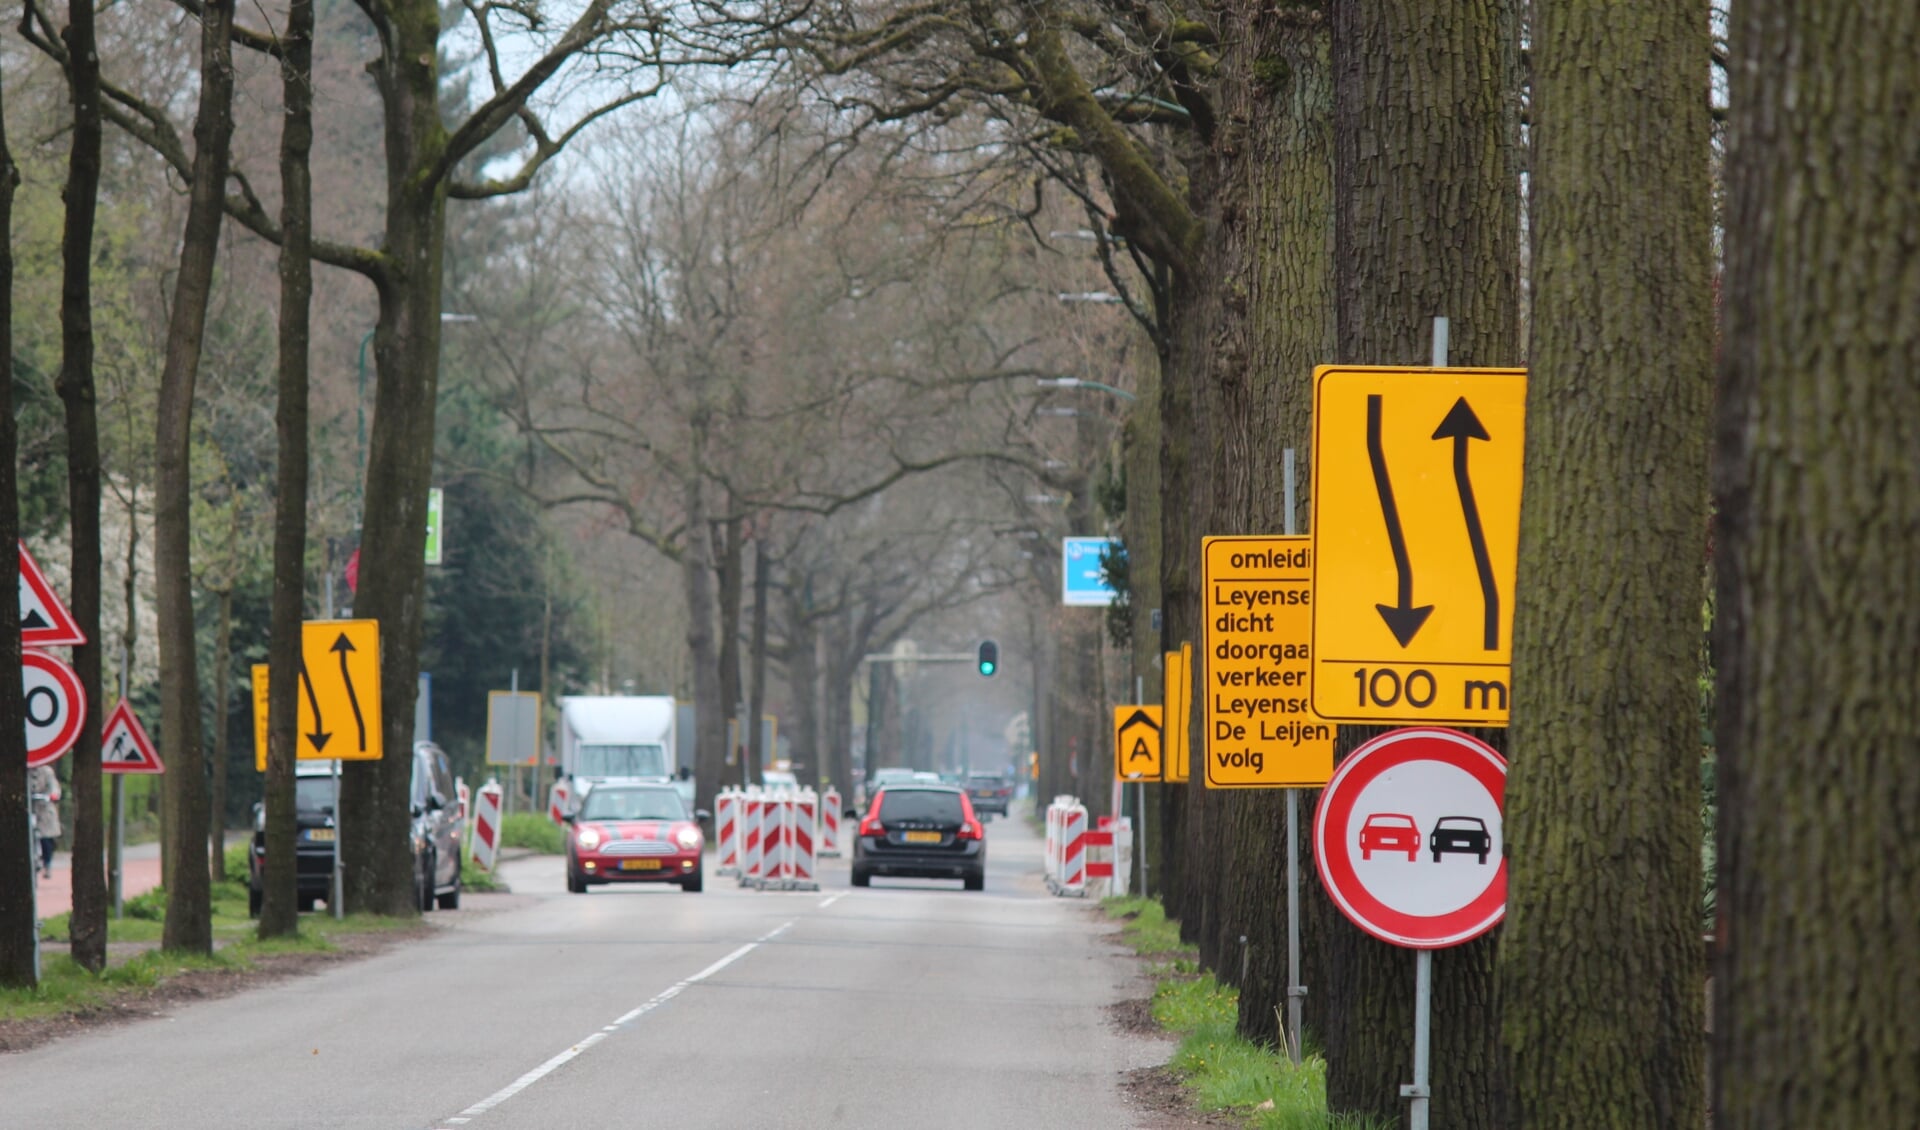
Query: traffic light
x: 989, y: 657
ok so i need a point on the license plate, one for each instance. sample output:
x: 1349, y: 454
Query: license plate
x: 323, y: 835
x: 920, y: 837
x: 639, y: 865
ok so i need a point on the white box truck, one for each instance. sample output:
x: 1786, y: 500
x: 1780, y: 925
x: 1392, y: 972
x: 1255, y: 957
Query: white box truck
x: 604, y: 737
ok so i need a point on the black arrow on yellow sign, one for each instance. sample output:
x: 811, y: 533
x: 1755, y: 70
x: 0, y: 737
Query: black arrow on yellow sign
x: 341, y: 647
x: 1402, y: 618
x: 320, y: 737
x: 1462, y: 426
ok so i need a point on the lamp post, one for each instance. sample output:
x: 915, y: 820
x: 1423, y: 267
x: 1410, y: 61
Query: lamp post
x: 1082, y: 382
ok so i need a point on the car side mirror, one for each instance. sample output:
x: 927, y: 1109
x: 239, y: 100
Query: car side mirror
x: 702, y: 815
x: 434, y: 805
x: 851, y: 813
x: 566, y: 817
x: 419, y: 811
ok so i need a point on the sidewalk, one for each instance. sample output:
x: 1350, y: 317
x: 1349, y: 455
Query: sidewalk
x: 140, y: 874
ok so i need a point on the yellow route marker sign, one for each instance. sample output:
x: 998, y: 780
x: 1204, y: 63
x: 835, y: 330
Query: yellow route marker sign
x: 1258, y: 600
x: 1176, y: 695
x: 1416, y: 532
x: 1136, y: 743
x: 339, y: 713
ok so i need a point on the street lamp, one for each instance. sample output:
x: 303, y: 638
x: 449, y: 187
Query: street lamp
x: 1081, y: 382
x: 1047, y: 410
x: 1101, y: 297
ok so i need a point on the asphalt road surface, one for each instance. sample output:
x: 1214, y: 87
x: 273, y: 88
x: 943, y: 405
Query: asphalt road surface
x: 908, y: 1004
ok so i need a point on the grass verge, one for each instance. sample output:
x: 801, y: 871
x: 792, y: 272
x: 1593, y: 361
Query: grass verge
x: 533, y: 830
x: 479, y: 879
x: 1224, y: 1070
x: 67, y: 988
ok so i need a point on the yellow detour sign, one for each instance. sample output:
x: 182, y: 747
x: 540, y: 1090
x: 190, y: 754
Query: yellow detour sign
x: 1416, y: 530
x: 339, y: 713
x: 1177, y: 695
x: 1257, y: 602
x: 1136, y: 743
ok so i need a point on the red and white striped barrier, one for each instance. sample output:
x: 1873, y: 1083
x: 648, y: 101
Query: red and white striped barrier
x: 726, y: 819
x: 486, y: 825
x: 1109, y: 857
x: 753, y: 814
x: 1067, y: 847
x: 466, y: 798
x: 830, y: 822
x: 559, y: 801
x: 803, y: 840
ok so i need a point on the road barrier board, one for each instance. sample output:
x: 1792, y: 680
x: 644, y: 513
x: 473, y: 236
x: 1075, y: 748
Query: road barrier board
x: 1176, y: 696
x: 1260, y: 727
x: 1416, y: 531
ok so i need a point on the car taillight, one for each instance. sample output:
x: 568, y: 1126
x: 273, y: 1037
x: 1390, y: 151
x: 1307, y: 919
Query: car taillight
x: 870, y: 826
x: 971, y: 830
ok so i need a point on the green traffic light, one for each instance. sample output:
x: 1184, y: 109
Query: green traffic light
x: 989, y: 658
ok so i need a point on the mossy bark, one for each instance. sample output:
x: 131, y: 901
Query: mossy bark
x: 1426, y: 192
x: 1817, y: 618
x: 1603, y: 1026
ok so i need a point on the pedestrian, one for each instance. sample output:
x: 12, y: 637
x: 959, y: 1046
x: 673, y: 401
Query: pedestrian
x: 45, y: 788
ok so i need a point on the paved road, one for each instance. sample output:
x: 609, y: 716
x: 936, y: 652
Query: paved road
x: 906, y: 1004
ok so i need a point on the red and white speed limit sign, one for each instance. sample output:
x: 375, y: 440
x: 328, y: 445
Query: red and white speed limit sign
x: 1407, y: 838
x: 55, y: 706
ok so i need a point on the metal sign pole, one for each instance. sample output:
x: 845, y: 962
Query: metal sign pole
x: 1140, y: 790
x: 1421, y: 1090
x: 1295, y: 990
x: 118, y: 855
x: 339, y: 867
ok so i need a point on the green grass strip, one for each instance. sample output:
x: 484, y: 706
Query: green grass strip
x: 1225, y: 1070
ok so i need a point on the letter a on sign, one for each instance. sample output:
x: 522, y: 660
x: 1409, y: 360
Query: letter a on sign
x: 1136, y: 743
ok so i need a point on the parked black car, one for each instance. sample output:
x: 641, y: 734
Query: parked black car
x: 921, y: 831
x: 313, y: 840
x: 435, y: 837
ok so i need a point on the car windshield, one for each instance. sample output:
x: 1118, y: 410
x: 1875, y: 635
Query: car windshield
x: 978, y: 781
x: 313, y: 794
x: 633, y: 804
x: 935, y: 805
x: 620, y: 761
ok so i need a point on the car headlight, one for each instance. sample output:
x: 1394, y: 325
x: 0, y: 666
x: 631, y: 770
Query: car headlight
x: 687, y: 838
x: 589, y: 839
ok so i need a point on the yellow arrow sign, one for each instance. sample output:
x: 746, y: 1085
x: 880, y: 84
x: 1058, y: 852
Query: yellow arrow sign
x: 1136, y: 743
x: 1416, y: 531
x: 339, y: 701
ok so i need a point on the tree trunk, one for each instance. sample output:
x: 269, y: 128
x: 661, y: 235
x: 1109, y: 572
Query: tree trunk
x: 17, y: 861
x: 1816, y: 990
x: 375, y: 809
x: 1276, y: 228
x: 709, y: 707
x: 1606, y: 654
x: 836, y: 704
x: 87, y: 933
x: 757, y: 752
x: 731, y: 565
x: 1426, y: 223
x: 189, y: 925
x: 803, y: 686
x: 279, y: 911
x: 222, y: 663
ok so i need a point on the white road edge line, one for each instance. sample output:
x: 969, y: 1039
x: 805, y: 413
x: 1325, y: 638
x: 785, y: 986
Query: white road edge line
x: 830, y: 900
x: 665, y: 995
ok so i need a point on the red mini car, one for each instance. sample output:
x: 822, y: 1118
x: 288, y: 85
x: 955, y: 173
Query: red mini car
x: 634, y: 834
x: 1390, y: 831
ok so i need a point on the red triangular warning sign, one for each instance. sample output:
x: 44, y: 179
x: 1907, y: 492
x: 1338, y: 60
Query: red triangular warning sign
x: 125, y: 746
x: 44, y: 621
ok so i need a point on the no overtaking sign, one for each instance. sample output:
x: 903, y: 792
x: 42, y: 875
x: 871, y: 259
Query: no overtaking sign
x: 1408, y: 838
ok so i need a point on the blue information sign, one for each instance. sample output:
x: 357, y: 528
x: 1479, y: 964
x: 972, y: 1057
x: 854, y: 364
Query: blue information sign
x: 1082, y: 582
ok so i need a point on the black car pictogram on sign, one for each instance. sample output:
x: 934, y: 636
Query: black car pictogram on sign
x: 1460, y: 835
